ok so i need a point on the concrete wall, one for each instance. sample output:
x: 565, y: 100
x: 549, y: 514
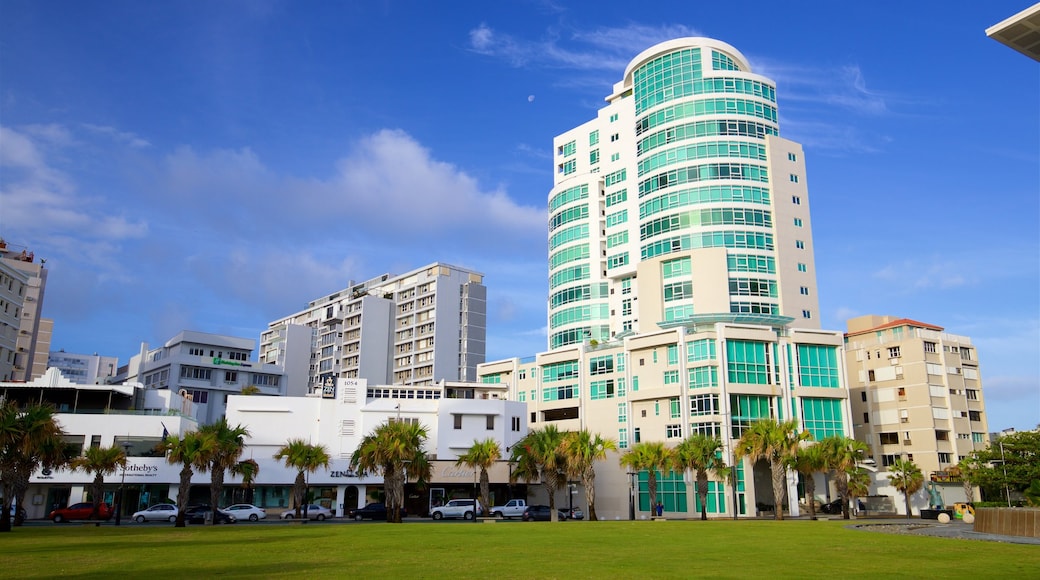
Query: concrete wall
x: 1008, y: 521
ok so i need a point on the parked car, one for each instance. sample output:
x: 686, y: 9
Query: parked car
x: 372, y: 511
x: 246, y: 511
x: 457, y: 508
x: 202, y: 513
x: 833, y: 507
x: 157, y: 513
x: 575, y: 514
x: 541, y: 513
x: 313, y: 511
x: 80, y: 511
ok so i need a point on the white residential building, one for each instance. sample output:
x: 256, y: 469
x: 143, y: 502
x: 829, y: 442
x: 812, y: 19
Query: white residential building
x: 84, y: 369
x: 208, y: 368
x: 417, y: 328
x: 24, y: 273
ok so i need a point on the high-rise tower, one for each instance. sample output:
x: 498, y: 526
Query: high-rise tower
x: 679, y: 201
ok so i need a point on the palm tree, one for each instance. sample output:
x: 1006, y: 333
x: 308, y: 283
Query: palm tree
x: 305, y: 458
x: 248, y: 469
x: 702, y: 454
x: 843, y: 456
x: 582, y: 449
x: 651, y: 456
x: 100, y: 461
x: 30, y: 438
x: 859, y: 484
x: 809, y: 461
x: 392, y: 449
x: 482, y: 455
x: 540, y: 457
x: 906, y: 477
x: 192, y: 451
x: 775, y: 442
x: 966, y: 470
x: 229, y: 443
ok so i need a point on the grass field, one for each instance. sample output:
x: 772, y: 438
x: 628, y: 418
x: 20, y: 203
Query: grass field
x: 672, y: 549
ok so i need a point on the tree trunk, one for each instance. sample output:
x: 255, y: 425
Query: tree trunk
x: 182, y: 494
x: 841, y: 481
x: 216, y: 486
x: 97, y: 489
x: 702, y: 492
x: 651, y: 482
x: 552, y: 483
x: 810, y: 494
x: 300, y: 488
x: 906, y: 498
x: 588, y: 481
x: 779, y: 473
x: 485, y: 491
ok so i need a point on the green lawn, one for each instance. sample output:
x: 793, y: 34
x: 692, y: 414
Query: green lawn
x: 673, y: 549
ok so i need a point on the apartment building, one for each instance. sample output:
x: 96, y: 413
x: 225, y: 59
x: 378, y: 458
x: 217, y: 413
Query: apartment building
x: 84, y: 369
x: 418, y: 328
x: 25, y: 280
x: 686, y: 162
x: 208, y: 368
x: 681, y: 278
x: 916, y: 393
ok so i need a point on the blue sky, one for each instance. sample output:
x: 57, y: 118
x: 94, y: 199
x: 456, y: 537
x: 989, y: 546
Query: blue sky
x: 214, y: 165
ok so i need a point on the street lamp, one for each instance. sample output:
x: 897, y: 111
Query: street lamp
x: 122, y: 481
x: 631, y: 495
x: 1003, y: 466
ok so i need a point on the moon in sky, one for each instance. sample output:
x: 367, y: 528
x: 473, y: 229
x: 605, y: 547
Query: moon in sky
x: 530, y: 98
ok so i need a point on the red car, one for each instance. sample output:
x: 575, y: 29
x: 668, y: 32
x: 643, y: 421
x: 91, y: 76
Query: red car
x: 80, y: 511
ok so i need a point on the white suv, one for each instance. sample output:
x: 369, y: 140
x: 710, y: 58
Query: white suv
x: 457, y: 508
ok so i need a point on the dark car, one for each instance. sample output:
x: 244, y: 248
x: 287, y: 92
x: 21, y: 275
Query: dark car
x: 200, y: 514
x: 541, y: 513
x: 833, y: 507
x: 80, y: 511
x: 372, y: 511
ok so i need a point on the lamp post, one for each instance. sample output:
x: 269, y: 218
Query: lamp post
x: 404, y: 483
x: 1003, y: 466
x: 733, y: 474
x: 631, y: 496
x: 122, y: 481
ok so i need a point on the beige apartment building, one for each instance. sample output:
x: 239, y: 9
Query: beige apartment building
x: 713, y: 377
x: 25, y: 336
x: 916, y: 393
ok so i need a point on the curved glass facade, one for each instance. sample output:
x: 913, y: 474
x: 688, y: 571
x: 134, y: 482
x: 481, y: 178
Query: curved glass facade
x: 695, y: 129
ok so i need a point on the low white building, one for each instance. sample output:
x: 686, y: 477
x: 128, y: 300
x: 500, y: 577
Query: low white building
x: 339, y: 416
x: 454, y: 414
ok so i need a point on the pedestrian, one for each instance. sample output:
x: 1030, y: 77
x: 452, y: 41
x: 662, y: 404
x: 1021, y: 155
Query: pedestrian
x: 660, y: 509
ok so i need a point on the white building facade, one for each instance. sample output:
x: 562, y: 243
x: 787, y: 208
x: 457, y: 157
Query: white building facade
x: 337, y: 417
x: 84, y: 369
x: 209, y: 368
x: 22, y: 271
x: 418, y: 328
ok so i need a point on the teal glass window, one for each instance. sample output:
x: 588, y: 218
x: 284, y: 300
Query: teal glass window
x: 716, y: 239
x: 618, y: 239
x: 751, y: 263
x: 673, y: 354
x: 568, y: 195
x: 583, y: 313
x: 569, y: 215
x: 620, y: 361
x: 561, y: 371
x: 675, y: 291
x: 702, y: 194
x: 704, y: 405
x: 616, y: 197
x: 752, y: 287
x: 614, y: 178
x: 818, y: 366
x: 705, y: 217
x: 568, y: 149
x: 594, y: 157
x: 617, y: 218
x: 747, y: 362
x: 676, y: 268
x: 720, y: 61
x: 570, y: 254
x: 568, y: 275
x: 678, y: 313
x: 617, y: 260
x: 567, y: 235
x: 674, y: 410
x: 601, y: 389
x: 622, y: 412
x: 746, y: 409
x: 822, y: 417
x: 701, y: 349
x: 704, y: 377
x: 671, y: 377
x: 601, y: 365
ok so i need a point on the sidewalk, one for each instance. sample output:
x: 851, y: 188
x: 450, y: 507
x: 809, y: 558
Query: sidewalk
x: 955, y: 529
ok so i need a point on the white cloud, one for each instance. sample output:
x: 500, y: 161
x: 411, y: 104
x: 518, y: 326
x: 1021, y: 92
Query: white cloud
x: 127, y: 138
x: 39, y: 200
